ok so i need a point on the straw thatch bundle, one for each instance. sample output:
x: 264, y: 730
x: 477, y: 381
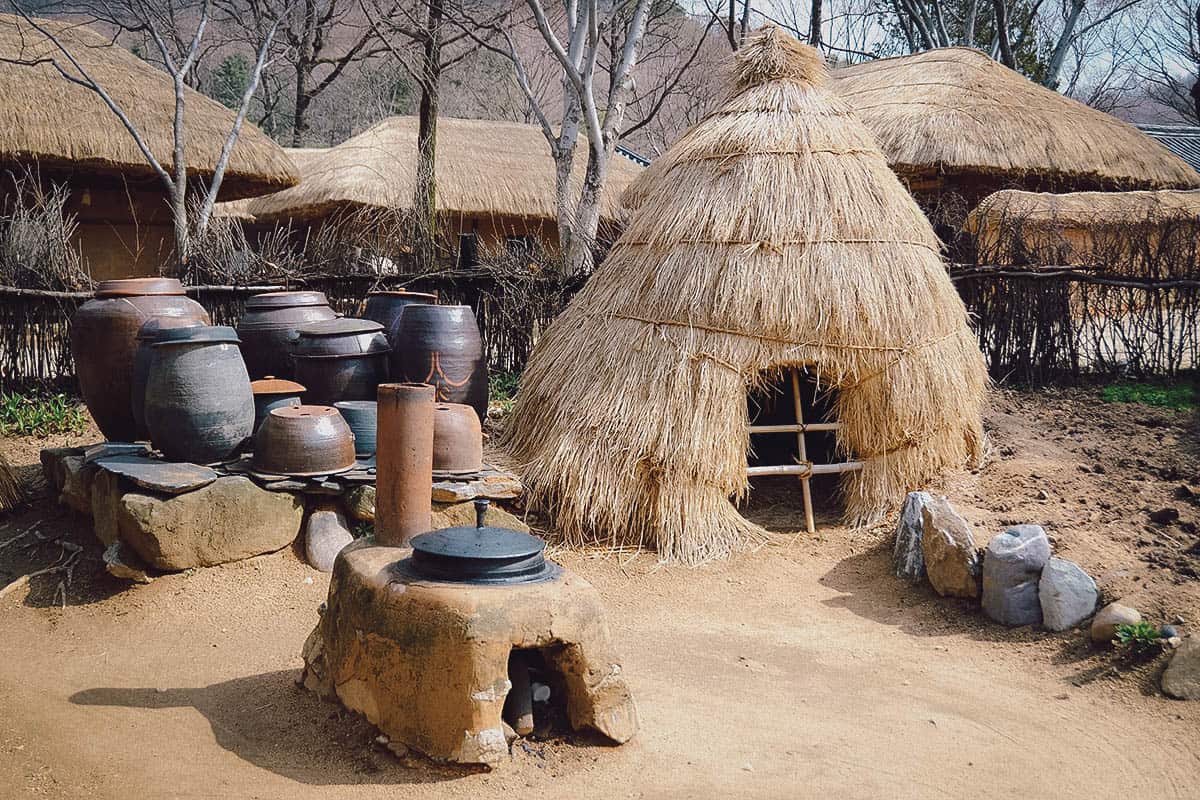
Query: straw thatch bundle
x: 303, y: 161
x: 1105, y: 229
x: 47, y: 119
x: 484, y: 168
x: 772, y: 234
x: 957, y: 112
x: 10, y: 487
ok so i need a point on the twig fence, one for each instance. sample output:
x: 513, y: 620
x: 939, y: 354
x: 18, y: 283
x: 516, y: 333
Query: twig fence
x: 1035, y: 325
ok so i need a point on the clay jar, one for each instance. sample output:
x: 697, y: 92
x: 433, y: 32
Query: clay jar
x: 340, y: 359
x: 457, y: 440
x: 303, y: 441
x: 199, y: 406
x: 440, y: 345
x: 268, y: 323
x: 271, y: 393
x: 104, y: 341
x: 386, y: 308
x: 147, y: 335
x: 362, y: 417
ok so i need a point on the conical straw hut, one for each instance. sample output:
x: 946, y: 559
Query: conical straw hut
x: 771, y: 235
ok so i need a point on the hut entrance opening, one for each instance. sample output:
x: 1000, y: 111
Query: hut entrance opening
x: 793, y: 437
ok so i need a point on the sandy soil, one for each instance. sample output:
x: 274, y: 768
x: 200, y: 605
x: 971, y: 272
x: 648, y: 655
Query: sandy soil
x: 801, y: 669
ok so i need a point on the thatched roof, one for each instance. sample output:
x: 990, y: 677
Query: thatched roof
x: 772, y: 234
x: 484, y: 167
x: 956, y: 111
x: 59, y: 124
x: 240, y: 210
x: 1079, y: 228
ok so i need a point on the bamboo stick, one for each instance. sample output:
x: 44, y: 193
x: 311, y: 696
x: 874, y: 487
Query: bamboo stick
x: 806, y: 469
x: 812, y: 427
x: 805, y: 489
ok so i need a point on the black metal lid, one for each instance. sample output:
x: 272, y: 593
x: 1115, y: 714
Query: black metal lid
x: 204, y: 334
x: 481, y: 554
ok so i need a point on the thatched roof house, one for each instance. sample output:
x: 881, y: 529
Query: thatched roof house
x: 953, y: 118
x: 1106, y: 230
x: 494, y: 178
x: 772, y: 234
x: 67, y: 134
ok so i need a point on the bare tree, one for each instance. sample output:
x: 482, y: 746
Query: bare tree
x: 318, y: 40
x: 1169, y: 61
x: 146, y: 17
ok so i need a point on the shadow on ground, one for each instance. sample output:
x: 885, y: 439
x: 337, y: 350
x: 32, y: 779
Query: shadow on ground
x: 275, y: 725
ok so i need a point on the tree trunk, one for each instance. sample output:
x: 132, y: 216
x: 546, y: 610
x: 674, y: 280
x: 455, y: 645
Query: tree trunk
x: 425, y: 198
x: 300, y: 114
x: 1064, y: 43
x: 1006, y: 53
x: 580, y: 255
x: 814, y: 24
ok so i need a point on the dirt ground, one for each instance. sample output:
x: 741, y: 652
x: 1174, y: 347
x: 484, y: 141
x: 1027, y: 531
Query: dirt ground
x: 802, y: 669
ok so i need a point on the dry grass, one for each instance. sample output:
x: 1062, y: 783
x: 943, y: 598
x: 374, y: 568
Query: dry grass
x: 10, y: 487
x: 46, y: 118
x: 955, y: 110
x: 772, y: 234
x: 36, y: 230
x: 484, y: 168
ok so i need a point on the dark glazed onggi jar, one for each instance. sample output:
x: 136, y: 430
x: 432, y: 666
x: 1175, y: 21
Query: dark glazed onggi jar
x: 104, y: 341
x: 268, y: 323
x: 441, y: 346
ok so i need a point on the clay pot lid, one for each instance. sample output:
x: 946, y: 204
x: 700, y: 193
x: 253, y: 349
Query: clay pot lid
x: 303, y: 412
x: 203, y: 334
x: 481, y: 554
x: 402, y: 293
x: 342, y: 326
x: 273, y: 385
x: 133, y: 287
x: 286, y: 300
x: 153, y: 328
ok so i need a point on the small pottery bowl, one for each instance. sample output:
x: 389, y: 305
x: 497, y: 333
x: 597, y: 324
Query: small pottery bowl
x: 362, y: 417
x: 457, y: 439
x: 303, y: 441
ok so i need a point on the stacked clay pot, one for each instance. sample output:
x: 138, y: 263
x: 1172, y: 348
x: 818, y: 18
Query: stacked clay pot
x: 340, y: 359
x: 441, y: 346
x: 457, y: 440
x: 104, y: 343
x: 199, y: 405
x: 303, y: 441
x: 268, y: 323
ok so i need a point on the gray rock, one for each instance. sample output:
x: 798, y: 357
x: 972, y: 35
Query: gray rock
x: 1012, y: 566
x: 908, y: 560
x: 104, y: 450
x: 951, y: 559
x: 360, y: 502
x: 157, y: 475
x: 52, y: 464
x: 1182, y: 677
x: 1104, y: 626
x: 325, y: 535
x: 107, y: 490
x: 228, y: 520
x: 121, y: 561
x: 1068, y: 594
x: 77, y: 484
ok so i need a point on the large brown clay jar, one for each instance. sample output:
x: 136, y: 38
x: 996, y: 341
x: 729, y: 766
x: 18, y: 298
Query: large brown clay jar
x: 104, y: 341
x: 268, y: 323
x: 457, y: 440
x: 441, y: 346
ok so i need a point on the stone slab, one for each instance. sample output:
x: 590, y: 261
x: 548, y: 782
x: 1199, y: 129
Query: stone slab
x: 1182, y: 677
x: 167, y: 477
x: 228, y: 520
